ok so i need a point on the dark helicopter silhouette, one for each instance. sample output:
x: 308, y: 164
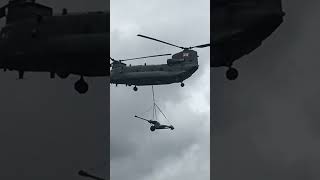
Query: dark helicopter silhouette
x: 180, y: 67
x: 239, y: 27
x: 35, y: 40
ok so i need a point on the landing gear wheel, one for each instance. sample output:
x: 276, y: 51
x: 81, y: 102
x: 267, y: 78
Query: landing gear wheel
x: 182, y: 84
x: 135, y: 88
x: 152, y: 128
x: 232, y: 73
x: 81, y: 86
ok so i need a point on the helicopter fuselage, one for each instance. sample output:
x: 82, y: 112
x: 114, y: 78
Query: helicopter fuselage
x: 33, y: 39
x: 152, y: 75
x: 176, y: 70
x: 62, y: 44
x: 240, y: 27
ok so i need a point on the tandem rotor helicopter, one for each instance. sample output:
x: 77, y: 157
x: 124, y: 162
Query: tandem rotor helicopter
x: 177, y: 69
x: 33, y: 39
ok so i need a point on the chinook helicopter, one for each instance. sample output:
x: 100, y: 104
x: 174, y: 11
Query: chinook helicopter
x: 240, y: 27
x: 180, y: 67
x: 33, y: 39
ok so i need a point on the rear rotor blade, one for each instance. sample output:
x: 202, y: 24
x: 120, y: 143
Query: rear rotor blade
x: 160, y: 41
x: 202, y: 46
x: 145, y: 57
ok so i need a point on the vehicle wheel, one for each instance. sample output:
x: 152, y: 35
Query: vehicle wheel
x: 182, y: 84
x: 152, y: 128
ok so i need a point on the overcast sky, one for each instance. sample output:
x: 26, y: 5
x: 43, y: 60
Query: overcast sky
x: 266, y: 123
x: 47, y: 130
x: 136, y: 152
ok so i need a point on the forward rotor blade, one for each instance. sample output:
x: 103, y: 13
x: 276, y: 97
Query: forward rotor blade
x: 202, y: 46
x: 160, y: 41
x: 145, y: 57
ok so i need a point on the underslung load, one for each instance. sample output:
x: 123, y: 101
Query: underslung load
x: 155, y: 124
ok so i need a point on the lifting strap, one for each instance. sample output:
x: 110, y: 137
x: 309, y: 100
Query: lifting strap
x: 155, y: 107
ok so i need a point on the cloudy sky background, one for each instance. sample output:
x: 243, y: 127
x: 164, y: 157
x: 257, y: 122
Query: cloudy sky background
x: 47, y: 130
x: 137, y: 153
x: 266, y: 123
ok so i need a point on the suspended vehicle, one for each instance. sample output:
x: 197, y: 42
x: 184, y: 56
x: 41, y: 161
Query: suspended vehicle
x: 154, y: 121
